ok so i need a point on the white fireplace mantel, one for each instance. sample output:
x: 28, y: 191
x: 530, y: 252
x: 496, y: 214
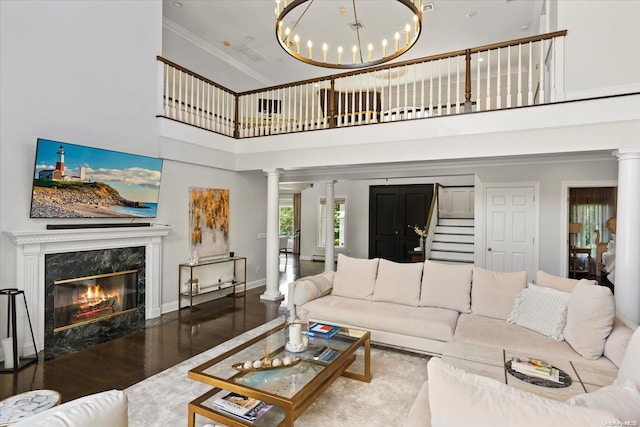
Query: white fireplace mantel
x: 32, y: 246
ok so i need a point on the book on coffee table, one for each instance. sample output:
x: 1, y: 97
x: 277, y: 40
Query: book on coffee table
x: 244, y: 407
x: 322, y: 330
x: 535, y: 368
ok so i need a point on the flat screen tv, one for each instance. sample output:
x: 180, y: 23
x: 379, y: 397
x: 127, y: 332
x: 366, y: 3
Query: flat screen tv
x: 75, y: 181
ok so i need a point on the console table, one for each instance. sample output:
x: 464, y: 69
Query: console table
x: 210, y: 276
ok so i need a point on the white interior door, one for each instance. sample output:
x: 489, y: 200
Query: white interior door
x: 510, y: 226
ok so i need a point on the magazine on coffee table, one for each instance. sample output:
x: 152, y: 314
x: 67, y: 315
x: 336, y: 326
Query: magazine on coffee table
x: 244, y: 407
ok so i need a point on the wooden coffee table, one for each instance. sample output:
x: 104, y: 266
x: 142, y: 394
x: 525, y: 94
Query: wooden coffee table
x: 290, y: 390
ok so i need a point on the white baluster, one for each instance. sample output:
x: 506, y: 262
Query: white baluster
x: 458, y: 84
x: 519, y: 97
x: 439, y: 87
x: 448, y: 86
x: 498, y: 85
x: 541, y: 97
x: 423, y: 76
x: 508, y: 76
x: 478, y: 67
x: 488, y: 98
x: 431, y: 90
x: 530, y: 93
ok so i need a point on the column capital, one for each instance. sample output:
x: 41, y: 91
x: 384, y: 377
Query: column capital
x: 272, y: 172
x: 627, y: 153
x: 331, y: 182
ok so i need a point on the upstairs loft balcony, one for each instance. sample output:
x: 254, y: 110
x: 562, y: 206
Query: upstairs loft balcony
x: 518, y: 73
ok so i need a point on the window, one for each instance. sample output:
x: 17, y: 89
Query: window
x: 339, y: 222
x: 286, y: 221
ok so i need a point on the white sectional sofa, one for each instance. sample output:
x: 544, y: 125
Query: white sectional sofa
x: 422, y: 306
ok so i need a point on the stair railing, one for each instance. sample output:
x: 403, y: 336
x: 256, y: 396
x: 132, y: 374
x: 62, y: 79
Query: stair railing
x: 432, y: 221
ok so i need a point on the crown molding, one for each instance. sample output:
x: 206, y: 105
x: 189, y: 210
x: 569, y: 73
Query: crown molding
x: 214, y: 51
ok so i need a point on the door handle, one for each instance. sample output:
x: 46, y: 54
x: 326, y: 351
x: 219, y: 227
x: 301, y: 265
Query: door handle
x: 489, y: 249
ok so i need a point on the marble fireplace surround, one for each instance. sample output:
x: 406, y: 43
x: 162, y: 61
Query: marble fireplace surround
x: 32, y: 246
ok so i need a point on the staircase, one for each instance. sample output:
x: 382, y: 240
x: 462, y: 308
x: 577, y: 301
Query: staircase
x: 453, y: 241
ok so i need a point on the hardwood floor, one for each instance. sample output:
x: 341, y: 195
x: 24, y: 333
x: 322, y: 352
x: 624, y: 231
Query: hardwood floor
x: 168, y: 340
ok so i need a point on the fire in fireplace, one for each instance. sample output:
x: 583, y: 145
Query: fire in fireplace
x: 82, y: 300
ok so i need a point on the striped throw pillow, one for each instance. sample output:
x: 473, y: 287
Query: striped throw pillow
x: 543, y: 310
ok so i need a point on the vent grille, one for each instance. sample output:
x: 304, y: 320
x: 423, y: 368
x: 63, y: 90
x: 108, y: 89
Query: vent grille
x: 250, y: 53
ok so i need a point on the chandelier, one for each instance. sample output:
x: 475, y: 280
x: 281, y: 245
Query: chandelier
x: 324, y: 34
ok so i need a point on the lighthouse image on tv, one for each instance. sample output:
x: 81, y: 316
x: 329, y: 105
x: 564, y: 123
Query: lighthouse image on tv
x: 75, y: 181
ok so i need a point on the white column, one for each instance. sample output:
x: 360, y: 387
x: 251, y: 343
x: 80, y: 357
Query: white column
x: 273, y: 253
x: 329, y: 252
x: 627, y: 281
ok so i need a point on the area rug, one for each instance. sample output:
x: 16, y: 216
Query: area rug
x: 162, y: 400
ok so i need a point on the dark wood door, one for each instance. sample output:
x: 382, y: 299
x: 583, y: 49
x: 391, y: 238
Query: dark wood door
x: 393, y: 212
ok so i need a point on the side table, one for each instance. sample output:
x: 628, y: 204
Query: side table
x: 24, y: 405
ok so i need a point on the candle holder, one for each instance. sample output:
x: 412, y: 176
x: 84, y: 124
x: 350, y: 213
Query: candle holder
x: 296, y: 330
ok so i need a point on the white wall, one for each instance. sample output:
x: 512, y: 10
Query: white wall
x: 66, y: 74
x: 602, y: 46
x: 550, y: 176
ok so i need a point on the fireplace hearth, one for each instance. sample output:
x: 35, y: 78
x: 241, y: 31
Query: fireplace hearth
x: 92, y: 297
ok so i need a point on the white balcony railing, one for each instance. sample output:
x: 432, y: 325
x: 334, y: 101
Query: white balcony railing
x: 518, y: 73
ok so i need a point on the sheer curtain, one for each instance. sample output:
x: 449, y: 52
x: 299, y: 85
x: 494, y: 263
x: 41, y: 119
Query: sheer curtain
x: 592, y: 207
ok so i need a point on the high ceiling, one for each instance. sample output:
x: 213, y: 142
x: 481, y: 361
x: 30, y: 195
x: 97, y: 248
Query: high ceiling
x: 243, y: 31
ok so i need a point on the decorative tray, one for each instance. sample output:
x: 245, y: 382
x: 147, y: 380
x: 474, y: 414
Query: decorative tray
x: 266, y: 366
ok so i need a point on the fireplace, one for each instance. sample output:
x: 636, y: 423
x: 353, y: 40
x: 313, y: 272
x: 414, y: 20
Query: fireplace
x: 92, y: 297
x: 86, y: 299
x: 33, y: 246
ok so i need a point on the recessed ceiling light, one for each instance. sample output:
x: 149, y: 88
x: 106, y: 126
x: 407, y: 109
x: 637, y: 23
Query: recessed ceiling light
x: 250, y: 39
x: 472, y: 14
x: 227, y: 43
x: 428, y: 7
x: 342, y: 11
x: 177, y: 4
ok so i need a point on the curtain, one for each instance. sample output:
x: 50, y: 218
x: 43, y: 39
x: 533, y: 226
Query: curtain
x: 297, y: 199
x: 591, y: 207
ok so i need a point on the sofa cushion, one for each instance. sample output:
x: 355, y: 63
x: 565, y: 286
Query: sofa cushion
x: 398, y: 282
x: 493, y: 293
x: 355, y: 277
x: 105, y: 409
x: 421, y: 322
x: 617, y: 342
x: 459, y: 398
x: 547, y: 280
x: 622, y: 400
x: 543, y: 310
x: 487, y: 331
x: 590, y: 315
x: 446, y: 286
x: 311, y: 287
x: 630, y: 368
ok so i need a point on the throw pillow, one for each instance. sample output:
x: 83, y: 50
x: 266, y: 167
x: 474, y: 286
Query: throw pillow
x: 623, y: 401
x: 459, y: 398
x: 398, y: 282
x: 590, y: 315
x: 446, y: 286
x: 547, y: 280
x: 355, y: 277
x: 543, y: 310
x: 493, y: 293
